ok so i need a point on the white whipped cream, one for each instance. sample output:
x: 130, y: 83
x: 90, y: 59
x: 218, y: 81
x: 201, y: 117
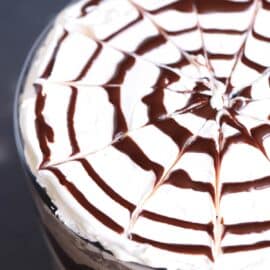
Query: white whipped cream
x: 94, y: 125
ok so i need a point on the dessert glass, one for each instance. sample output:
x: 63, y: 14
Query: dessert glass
x: 69, y: 251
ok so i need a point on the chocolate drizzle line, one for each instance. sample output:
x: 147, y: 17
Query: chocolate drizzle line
x: 70, y: 120
x: 260, y: 133
x: 178, y: 134
x: 261, y: 183
x: 266, y: 4
x: 105, y: 187
x: 87, y: 5
x: 89, y: 63
x: 181, y: 179
x: 150, y: 43
x: 179, y: 223
x: 47, y: 72
x: 205, y: 145
x: 223, y: 31
x: 188, y: 249
x: 130, y: 148
x: 156, y: 112
x: 209, y: 6
x: 44, y: 131
x: 183, y: 5
x: 260, y: 36
x: 126, y: 27
x: 104, y: 219
x: 182, y: 31
x: 253, y: 65
x: 247, y: 228
x: 241, y: 248
x: 114, y: 93
x: 120, y: 125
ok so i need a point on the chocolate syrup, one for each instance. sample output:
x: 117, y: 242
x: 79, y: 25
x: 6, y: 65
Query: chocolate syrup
x: 183, y: 5
x: 82, y: 200
x: 89, y: 63
x: 209, y: 6
x: 179, y: 223
x: 123, y: 29
x: 45, y: 132
x: 105, y: 187
x: 90, y: 3
x: 169, y: 126
x: 247, y: 228
x: 253, y: 65
x: 261, y: 183
x: 70, y: 121
x: 48, y: 70
x: 266, y: 4
x: 260, y: 37
x: 241, y: 248
x: 181, y: 179
x: 131, y: 149
x: 178, y: 248
x: 150, y: 43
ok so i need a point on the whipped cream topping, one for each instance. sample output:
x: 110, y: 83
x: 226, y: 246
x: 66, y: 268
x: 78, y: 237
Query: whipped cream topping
x: 147, y: 123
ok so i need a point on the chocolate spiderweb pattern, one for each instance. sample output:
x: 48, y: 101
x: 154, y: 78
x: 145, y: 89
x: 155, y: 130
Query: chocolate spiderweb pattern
x: 183, y: 92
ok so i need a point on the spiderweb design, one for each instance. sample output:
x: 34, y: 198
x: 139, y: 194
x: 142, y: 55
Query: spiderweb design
x: 166, y: 116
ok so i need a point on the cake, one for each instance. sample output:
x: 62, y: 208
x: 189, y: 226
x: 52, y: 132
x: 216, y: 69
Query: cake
x: 146, y: 123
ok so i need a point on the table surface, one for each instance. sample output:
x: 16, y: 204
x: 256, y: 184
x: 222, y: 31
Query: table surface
x: 22, y: 246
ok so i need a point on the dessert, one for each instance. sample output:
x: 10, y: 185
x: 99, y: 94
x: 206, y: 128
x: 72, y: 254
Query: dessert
x: 147, y: 125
